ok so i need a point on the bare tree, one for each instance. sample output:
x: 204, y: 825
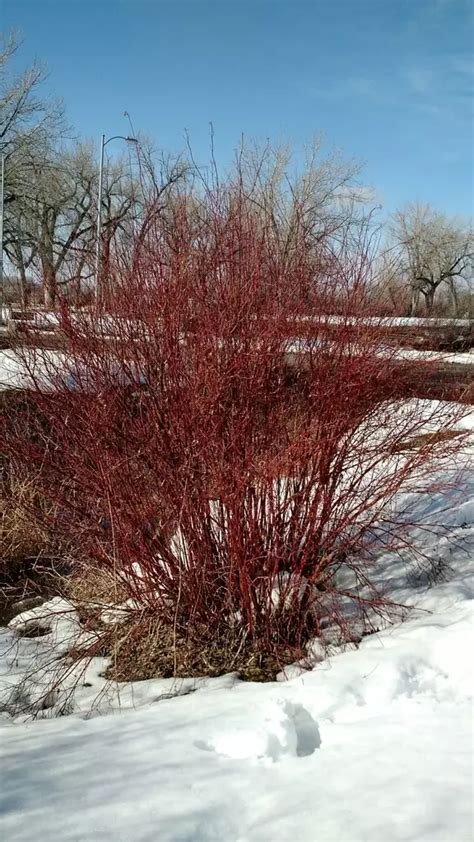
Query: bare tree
x: 390, y: 295
x: 161, y: 180
x: 20, y: 247
x: 313, y: 198
x: 29, y: 123
x: 434, y: 250
x: 53, y: 215
x: 25, y: 116
x: 323, y: 201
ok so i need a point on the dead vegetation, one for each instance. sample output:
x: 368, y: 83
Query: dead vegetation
x: 34, y: 554
x: 426, y: 439
x: 143, y: 647
x: 23, y: 534
x: 30, y: 558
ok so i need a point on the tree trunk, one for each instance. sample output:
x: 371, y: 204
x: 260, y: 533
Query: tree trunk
x: 415, y: 297
x: 76, y: 291
x: 24, y: 288
x: 454, y: 298
x: 429, y: 299
x: 49, y: 287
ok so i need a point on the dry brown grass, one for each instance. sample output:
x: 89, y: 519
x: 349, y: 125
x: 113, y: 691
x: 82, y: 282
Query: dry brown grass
x: 150, y: 650
x: 33, y: 559
x: 91, y: 590
x: 142, y: 647
x: 92, y: 586
x: 427, y: 439
x: 23, y: 533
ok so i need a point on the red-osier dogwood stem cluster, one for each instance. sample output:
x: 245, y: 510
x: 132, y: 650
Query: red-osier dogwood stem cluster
x: 229, y: 474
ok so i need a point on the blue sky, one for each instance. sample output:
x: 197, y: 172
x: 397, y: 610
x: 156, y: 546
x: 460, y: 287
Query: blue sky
x: 387, y: 81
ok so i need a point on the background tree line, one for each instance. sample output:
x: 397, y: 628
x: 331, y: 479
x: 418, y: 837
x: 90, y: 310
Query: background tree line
x: 425, y: 259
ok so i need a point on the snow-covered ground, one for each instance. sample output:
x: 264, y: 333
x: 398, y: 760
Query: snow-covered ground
x: 19, y: 371
x: 16, y: 372
x: 459, y: 357
x: 390, y: 321
x: 373, y: 744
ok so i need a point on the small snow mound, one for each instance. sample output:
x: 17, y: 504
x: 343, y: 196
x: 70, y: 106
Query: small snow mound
x: 56, y: 618
x: 34, y: 643
x: 273, y: 737
x: 285, y: 730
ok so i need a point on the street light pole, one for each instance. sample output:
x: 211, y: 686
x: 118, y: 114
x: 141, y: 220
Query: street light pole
x: 2, y: 203
x: 98, y: 245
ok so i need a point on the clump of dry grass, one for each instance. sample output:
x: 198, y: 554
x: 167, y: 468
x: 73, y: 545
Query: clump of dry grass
x: 23, y: 533
x: 33, y: 558
x: 143, y: 647
x: 140, y: 645
x: 92, y: 586
x: 27, y: 515
x: 91, y: 590
x: 426, y: 439
x: 146, y: 648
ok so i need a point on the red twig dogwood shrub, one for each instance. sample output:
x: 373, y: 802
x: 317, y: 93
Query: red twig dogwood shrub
x: 235, y: 479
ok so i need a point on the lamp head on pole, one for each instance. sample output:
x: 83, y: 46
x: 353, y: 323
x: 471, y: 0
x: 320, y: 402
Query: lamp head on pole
x: 127, y: 139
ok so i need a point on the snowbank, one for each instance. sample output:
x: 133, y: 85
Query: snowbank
x: 373, y: 744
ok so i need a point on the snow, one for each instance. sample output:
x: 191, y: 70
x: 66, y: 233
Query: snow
x: 373, y: 743
x: 463, y: 358
x: 298, y: 345
x: 22, y: 370
x: 12, y: 374
x: 5, y: 314
x: 16, y: 371
x: 389, y: 321
x: 46, y: 320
